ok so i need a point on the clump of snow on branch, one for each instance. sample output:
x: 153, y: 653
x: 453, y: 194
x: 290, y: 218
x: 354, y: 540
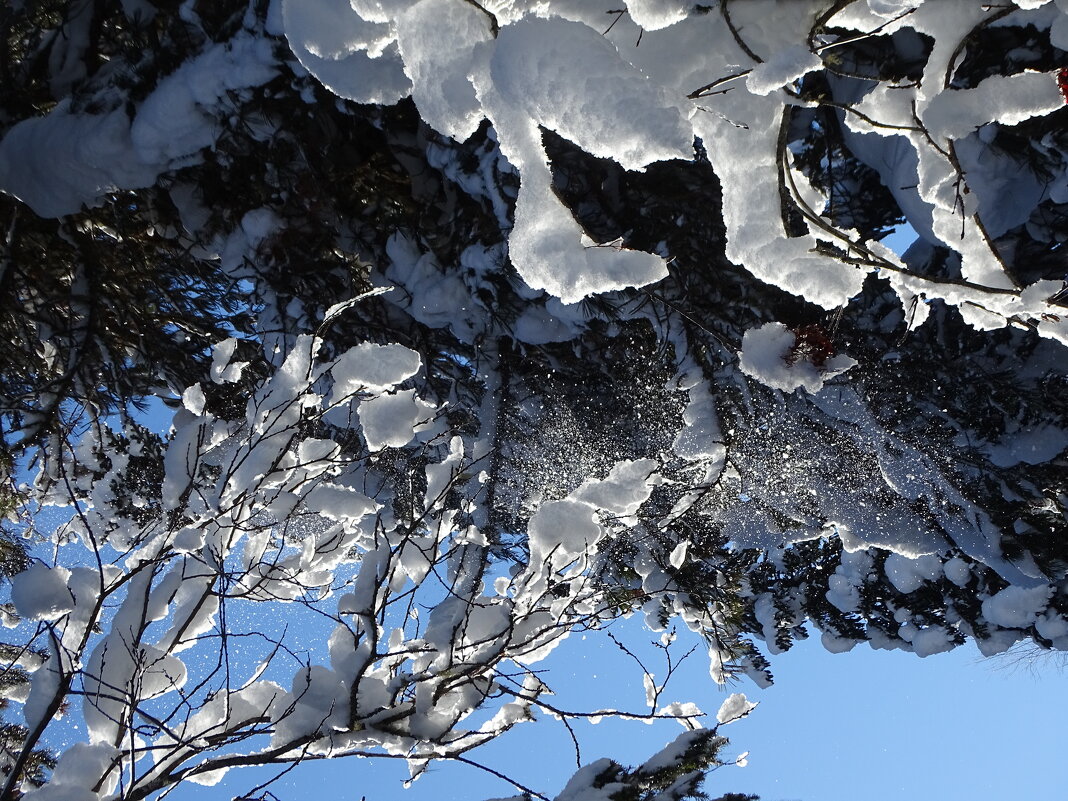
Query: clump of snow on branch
x: 63, y: 160
x: 736, y: 707
x: 771, y: 354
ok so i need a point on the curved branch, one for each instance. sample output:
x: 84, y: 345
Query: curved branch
x: 873, y: 259
x: 736, y: 34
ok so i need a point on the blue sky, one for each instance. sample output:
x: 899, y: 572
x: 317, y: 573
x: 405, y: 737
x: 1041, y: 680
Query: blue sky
x: 888, y: 725
x: 877, y: 726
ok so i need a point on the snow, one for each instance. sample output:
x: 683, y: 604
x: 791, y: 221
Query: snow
x: 583, y: 786
x: 848, y: 577
x: 927, y: 641
x: 670, y: 754
x: 957, y: 571
x: 548, y: 67
x: 890, y: 9
x: 437, y: 39
x: 188, y: 540
x: 222, y: 369
x: 652, y: 15
x: 57, y: 163
x: 835, y: 644
x: 783, y: 67
x: 1052, y: 626
x: 627, y: 486
x: 769, y: 355
x: 79, y: 765
x: 208, y: 778
x: 1058, y: 33
x: 1033, y: 445
x: 537, y: 326
x: 182, y: 457
x: 372, y: 368
x: 319, y: 699
x: 527, y: 84
x: 64, y: 160
x: 686, y: 712
x: 437, y: 297
x: 908, y: 575
x: 350, y: 55
x: 193, y: 399
x: 700, y: 436
x: 339, y: 503
x: 175, y: 121
x: 160, y: 673
x: 390, y: 421
x: 1017, y: 607
x: 677, y: 558
x: 1008, y: 99
x: 40, y: 592
x: 562, y: 530
x: 332, y: 30
x: 736, y: 707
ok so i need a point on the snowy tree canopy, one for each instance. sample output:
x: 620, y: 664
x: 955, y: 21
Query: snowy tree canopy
x: 480, y: 324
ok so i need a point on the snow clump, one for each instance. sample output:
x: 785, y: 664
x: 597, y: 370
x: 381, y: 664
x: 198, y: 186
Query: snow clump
x: 774, y: 356
x: 372, y: 368
x: 40, y: 592
x: 736, y: 707
x: 1016, y: 607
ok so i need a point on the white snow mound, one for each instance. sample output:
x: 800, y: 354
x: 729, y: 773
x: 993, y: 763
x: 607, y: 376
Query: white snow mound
x: 772, y: 356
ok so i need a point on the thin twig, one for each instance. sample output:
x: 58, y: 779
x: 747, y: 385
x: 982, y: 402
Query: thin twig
x: 735, y: 33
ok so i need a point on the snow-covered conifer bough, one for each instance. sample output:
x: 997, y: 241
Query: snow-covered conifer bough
x: 403, y: 472
x: 635, y: 99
